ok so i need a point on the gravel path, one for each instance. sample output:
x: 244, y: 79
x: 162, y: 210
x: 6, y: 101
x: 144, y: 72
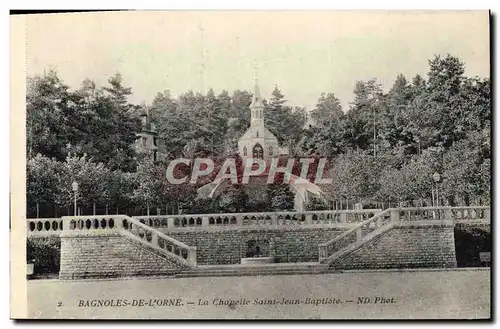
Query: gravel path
x: 385, y: 294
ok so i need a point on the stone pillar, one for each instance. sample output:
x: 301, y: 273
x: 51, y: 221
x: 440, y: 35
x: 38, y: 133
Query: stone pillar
x: 274, y: 220
x: 205, y: 221
x: 192, y: 256
x: 239, y: 220
x: 65, y: 225
x: 395, y: 215
x: 119, y: 222
x: 487, y: 213
x: 154, y: 238
x: 447, y: 214
x: 170, y: 222
x: 359, y: 234
x: 309, y: 219
x: 343, y: 217
x: 322, y: 253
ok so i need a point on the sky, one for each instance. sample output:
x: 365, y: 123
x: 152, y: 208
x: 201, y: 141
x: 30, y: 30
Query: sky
x: 304, y: 53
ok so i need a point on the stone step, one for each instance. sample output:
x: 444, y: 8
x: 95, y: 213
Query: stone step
x: 238, y: 270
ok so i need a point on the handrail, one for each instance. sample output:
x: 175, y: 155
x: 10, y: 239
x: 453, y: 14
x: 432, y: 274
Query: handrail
x: 369, y: 220
x: 160, y: 234
x: 307, y: 212
x: 439, y: 208
x: 154, y: 241
x: 328, y: 217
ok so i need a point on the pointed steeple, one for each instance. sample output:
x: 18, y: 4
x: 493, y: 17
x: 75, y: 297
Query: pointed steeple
x: 256, y: 99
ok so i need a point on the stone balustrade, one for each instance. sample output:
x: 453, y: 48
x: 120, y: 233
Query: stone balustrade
x: 259, y: 219
x: 91, y: 223
x: 160, y: 241
x: 457, y: 214
x: 129, y: 227
x: 44, y: 226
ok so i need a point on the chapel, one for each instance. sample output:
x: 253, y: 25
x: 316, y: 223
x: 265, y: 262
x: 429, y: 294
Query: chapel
x: 258, y: 142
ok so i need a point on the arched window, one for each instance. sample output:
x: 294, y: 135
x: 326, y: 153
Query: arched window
x: 258, y: 152
x: 245, y: 151
x: 270, y: 150
x: 257, y: 134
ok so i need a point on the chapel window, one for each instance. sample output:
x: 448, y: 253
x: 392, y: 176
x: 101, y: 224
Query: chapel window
x: 245, y: 151
x: 270, y: 150
x: 258, y: 152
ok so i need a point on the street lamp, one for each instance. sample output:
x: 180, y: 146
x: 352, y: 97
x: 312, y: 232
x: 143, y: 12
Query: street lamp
x: 437, y: 177
x: 74, y: 186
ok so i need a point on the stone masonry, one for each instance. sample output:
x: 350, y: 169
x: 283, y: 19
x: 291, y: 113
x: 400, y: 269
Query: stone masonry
x: 219, y: 247
x: 110, y: 255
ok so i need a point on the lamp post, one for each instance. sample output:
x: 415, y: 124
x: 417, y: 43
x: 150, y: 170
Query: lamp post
x: 437, y: 177
x: 74, y: 186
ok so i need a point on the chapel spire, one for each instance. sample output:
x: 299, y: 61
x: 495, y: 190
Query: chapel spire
x: 256, y: 98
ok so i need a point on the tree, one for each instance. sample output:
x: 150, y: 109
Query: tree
x: 387, y: 146
x: 87, y: 120
x: 162, y: 106
x: 118, y: 92
x: 284, y: 122
x: 361, y: 120
x: 466, y: 172
x: 327, y: 109
x: 104, y: 131
x: 394, y: 126
x: 119, y: 190
x: 234, y: 199
x: 393, y: 187
x: 43, y: 182
x: 92, y: 181
x: 439, y: 106
x: 150, y: 186
x: 48, y: 118
x: 281, y: 197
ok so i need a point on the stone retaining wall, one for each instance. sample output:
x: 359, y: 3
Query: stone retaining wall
x: 219, y: 247
x: 405, y: 246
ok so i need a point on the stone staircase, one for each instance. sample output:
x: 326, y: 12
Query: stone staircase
x: 171, y: 248
x: 355, y: 237
x: 401, y: 237
x: 119, y: 246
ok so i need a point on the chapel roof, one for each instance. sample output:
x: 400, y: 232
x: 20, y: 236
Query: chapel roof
x: 252, y: 132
